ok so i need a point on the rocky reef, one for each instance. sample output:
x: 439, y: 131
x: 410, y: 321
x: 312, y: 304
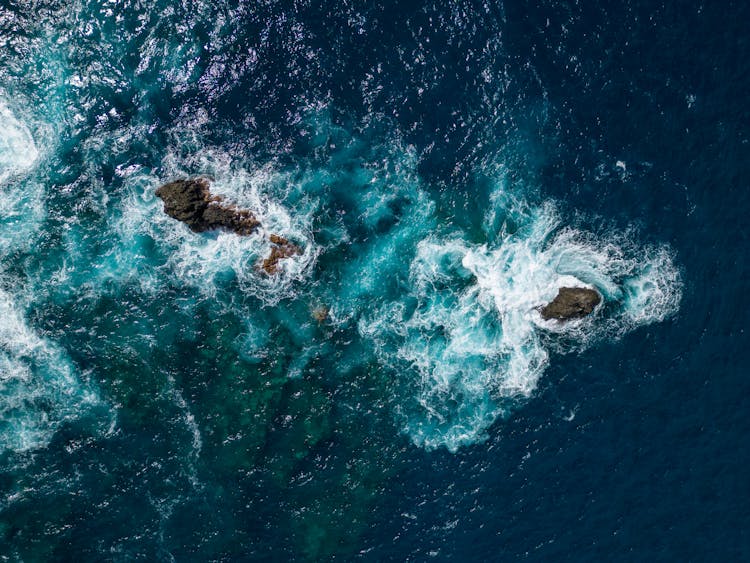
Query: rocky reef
x: 281, y: 249
x: 191, y: 202
x: 571, y: 303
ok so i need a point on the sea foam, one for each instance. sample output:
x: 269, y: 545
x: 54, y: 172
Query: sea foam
x: 18, y: 153
x: 39, y: 389
x: 467, y: 337
x: 204, y: 261
x: 21, y: 198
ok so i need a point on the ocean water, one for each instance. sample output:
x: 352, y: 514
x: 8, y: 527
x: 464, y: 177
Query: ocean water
x: 445, y: 167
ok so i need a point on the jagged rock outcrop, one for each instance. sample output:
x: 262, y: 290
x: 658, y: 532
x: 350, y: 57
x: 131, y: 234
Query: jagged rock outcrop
x: 571, y: 303
x: 191, y: 202
x: 281, y: 249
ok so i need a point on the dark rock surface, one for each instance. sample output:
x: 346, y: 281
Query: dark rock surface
x: 281, y: 249
x: 191, y: 202
x: 571, y: 303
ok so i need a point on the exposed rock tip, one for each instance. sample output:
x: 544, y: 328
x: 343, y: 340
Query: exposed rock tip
x: 571, y: 303
x: 191, y: 201
x: 282, y: 248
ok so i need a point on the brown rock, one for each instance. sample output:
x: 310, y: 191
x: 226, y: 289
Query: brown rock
x: 191, y: 202
x: 320, y: 313
x: 186, y: 200
x: 239, y: 221
x: 571, y: 303
x: 281, y: 249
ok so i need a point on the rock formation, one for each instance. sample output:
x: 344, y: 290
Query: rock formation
x: 191, y: 201
x: 571, y: 303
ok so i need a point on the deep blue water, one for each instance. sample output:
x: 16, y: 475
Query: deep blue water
x: 445, y: 167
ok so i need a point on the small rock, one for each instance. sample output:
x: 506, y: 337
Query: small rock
x: 282, y: 248
x: 571, y: 303
x: 320, y: 314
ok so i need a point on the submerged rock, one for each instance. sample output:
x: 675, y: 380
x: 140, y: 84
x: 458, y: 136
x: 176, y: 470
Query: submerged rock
x: 191, y: 202
x: 320, y: 313
x: 571, y: 303
x: 282, y: 248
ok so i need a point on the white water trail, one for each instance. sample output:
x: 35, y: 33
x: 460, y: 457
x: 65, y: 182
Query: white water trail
x: 39, y: 389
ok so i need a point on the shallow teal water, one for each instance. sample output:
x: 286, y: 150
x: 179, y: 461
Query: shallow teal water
x: 455, y: 318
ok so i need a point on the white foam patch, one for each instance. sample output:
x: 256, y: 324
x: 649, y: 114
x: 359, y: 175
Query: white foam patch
x: 21, y: 200
x: 653, y: 293
x: 472, y: 342
x: 204, y: 260
x: 18, y: 153
x: 39, y: 389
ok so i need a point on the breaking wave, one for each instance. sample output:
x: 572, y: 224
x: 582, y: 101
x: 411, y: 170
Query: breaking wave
x: 467, y: 337
x: 18, y: 152
x: 21, y: 198
x: 207, y: 261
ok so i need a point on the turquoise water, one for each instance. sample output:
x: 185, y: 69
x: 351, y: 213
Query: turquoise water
x: 162, y: 399
x: 452, y: 312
